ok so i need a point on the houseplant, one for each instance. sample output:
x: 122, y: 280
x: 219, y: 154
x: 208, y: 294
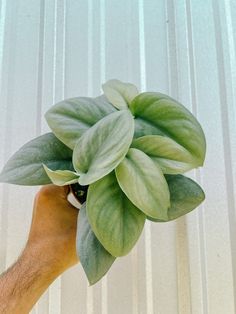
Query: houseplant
x: 124, y: 154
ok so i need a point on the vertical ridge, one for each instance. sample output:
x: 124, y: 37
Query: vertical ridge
x: 90, y: 48
x: 102, y: 40
x: 40, y: 69
x: 104, y: 298
x: 143, y: 78
x: 90, y: 294
x: 3, y: 190
x: 40, y: 81
x: 148, y: 243
x: 63, y: 96
x: 134, y: 259
x: 181, y: 247
x: 183, y: 275
x: 55, y: 290
x: 226, y: 137
x: 64, y: 51
x: 2, y: 34
x: 232, y: 52
x: 197, y: 174
x: 55, y: 52
x: 135, y: 251
x: 171, y: 50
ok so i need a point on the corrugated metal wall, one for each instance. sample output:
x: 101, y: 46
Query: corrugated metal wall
x: 55, y: 49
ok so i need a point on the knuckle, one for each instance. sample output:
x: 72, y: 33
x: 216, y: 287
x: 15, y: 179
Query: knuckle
x: 45, y: 192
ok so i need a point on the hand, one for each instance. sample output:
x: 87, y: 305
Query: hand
x: 49, y: 251
x: 53, y: 226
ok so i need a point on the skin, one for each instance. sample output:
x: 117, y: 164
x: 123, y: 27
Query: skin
x: 49, y: 251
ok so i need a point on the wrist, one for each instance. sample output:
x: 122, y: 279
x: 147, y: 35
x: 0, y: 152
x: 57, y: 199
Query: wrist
x: 42, y: 258
x: 51, y: 254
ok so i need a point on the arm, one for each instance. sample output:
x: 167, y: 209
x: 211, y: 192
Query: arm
x: 49, y: 251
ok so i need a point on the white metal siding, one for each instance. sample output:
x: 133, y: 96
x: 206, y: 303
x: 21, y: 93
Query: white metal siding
x: 55, y: 49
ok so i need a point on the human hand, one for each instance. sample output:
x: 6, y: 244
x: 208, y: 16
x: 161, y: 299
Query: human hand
x: 53, y: 227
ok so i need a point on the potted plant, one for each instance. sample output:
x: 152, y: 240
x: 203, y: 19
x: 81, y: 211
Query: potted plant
x: 124, y: 154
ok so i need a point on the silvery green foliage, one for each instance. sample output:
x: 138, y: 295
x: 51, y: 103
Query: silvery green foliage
x: 94, y: 258
x: 130, y: 150
x: 25, y: 167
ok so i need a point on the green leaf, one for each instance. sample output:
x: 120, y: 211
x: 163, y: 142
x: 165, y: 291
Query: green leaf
x: 61, y: 177
x: 119, y: 94
x: 166, y: 153
x: 185, y: 195
x: 96, y: 261
x: 70, y: 118
x: 116, y: 222
x: 159, y: 114
x: 25, y: 167
x: 144, y: 184
x: 100, y: 149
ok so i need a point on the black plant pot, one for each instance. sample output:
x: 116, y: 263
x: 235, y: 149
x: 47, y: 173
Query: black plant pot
x: 79, y: 192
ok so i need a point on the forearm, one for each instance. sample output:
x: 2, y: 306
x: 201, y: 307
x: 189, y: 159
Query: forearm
x: 50, y: 250
x: 23, y: 284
